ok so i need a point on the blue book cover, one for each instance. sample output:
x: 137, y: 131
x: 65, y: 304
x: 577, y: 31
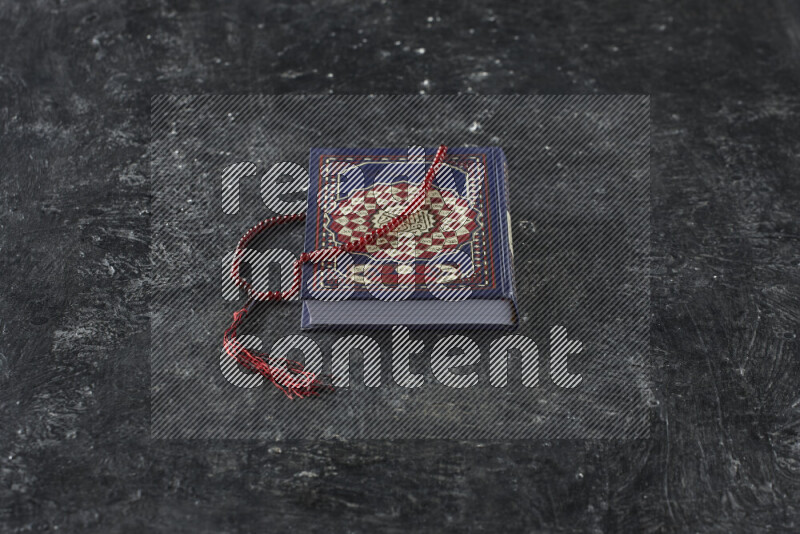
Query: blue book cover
x: 450, y: 264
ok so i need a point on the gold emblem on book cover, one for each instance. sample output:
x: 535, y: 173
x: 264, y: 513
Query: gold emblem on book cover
x: 419, y: 223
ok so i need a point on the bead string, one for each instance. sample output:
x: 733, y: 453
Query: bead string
x: 288, y: 375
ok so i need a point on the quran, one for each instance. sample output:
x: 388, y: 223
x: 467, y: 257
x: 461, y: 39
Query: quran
x: 448, y: 264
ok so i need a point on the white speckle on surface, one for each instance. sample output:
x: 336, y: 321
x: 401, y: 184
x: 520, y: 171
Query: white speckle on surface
x: 475, y: 127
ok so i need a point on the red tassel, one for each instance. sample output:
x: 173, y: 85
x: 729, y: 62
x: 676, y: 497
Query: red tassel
x: 287, y: 375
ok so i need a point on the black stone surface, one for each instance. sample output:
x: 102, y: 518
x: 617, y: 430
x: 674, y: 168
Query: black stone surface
x: 75, y: 85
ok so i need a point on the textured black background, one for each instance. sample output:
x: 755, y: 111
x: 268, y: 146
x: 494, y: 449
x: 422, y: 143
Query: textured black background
x: 75, y: 85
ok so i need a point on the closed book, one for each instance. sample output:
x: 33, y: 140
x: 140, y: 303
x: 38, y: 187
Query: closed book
x: 448, y: 265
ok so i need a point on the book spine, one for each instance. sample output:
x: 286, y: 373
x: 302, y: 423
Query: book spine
x: 504, y: 225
